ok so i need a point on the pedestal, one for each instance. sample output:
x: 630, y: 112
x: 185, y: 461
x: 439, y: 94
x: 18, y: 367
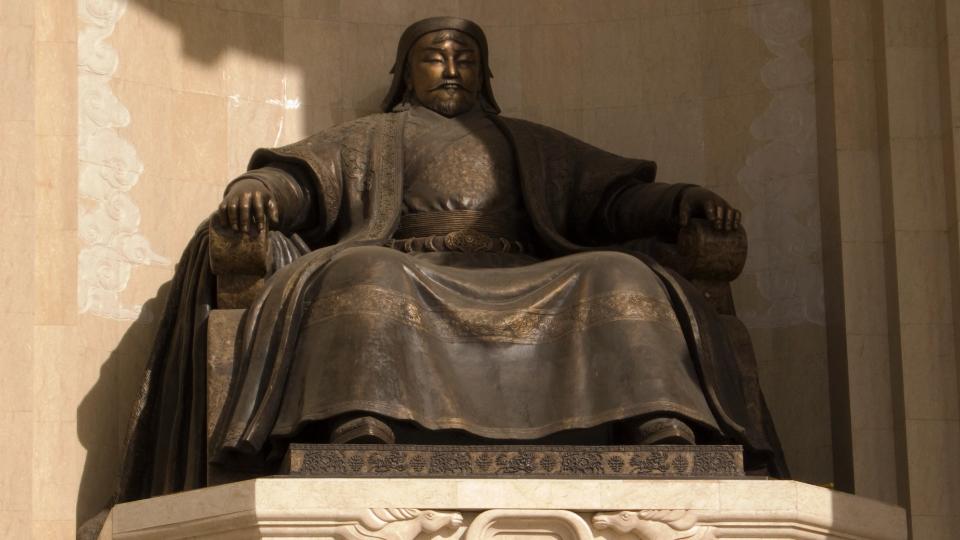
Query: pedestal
x: 481, y: 509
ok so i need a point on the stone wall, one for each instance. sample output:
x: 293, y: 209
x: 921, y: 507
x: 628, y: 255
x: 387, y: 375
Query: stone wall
x: 829, y: 123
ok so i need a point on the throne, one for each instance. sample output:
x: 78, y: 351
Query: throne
x: 464, y: 507
x: 242, y: 263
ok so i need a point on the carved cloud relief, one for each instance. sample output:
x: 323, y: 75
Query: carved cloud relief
x: 780, y: 176
x: 111, y: 244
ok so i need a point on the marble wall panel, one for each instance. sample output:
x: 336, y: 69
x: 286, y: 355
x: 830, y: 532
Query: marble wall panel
x: 55, y: 20
x: 864, y: 283
x: 16, y: 480
x: 314, y: 89
x: 504, y: 42
x: 855, y: 41
x: 324, y: 10
x: 16, y: 372
x: 17, y: 164
x: 671, y: 53
x: 207, y: 82
x: 918, y: 184
x: 261, y: 7
x: 874, y: 463
x: 860, y: 196
x: 253, y: 64
x: 201, y: 42
x: 931, y: 379
x: 493, y: 13
x: 612, y: 68
x: 391, y: 13
x: 552, y: 85
x: 198, y: 139
x: 856, y: 113
x: 732, y: 52
x: 16, y: 13
x: 934, y: 470
x: 250, y: 125
x: 16, y: 48
x: 158, y: 64
x: 368, y: 53
x: 923, y: 274
x: 914, y: 94
x: 910, y: 23
x: 56, y: 277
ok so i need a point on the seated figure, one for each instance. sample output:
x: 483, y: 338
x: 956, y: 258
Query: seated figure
x: 443, y: 273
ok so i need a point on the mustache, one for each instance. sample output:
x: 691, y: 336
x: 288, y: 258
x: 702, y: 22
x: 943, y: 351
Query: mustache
x: 447, y: 82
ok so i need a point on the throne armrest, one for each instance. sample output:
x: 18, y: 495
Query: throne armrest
x: 709, y: 258
x: 241, y: 262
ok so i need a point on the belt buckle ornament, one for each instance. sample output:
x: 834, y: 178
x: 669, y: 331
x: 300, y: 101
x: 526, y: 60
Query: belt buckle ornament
x: 468, y: 240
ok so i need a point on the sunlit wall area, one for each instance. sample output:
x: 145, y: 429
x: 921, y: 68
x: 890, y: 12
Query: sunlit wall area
x: 830, y: 124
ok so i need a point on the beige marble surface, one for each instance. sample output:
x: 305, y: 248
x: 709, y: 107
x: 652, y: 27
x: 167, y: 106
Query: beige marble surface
x: 724, y: 509
x: 697, y: 85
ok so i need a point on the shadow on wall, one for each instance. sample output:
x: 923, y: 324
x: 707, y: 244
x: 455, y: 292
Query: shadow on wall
x: 351, y: 80
x: 207, y: 35
x: 125, y: 362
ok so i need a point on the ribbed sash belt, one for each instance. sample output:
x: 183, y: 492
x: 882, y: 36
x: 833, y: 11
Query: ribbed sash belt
x: 457, y: 230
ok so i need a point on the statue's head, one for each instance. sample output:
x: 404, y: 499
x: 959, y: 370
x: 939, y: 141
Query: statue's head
x: 442, y: 64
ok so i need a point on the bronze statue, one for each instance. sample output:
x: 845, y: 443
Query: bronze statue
x: 446, y: 273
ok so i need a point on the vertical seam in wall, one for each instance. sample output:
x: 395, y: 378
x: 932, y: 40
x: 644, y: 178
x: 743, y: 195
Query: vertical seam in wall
x: 831, y: 245
x: 890, y: 262
x: 950, y: 178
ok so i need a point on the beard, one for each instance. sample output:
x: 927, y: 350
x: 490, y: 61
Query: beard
x: 450, y: 106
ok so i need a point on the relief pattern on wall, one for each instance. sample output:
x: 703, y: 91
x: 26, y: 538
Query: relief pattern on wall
x: 111, y: 244
x: 780, y: 176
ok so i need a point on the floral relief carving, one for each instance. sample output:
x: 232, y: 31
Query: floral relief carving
x: 111, y: 243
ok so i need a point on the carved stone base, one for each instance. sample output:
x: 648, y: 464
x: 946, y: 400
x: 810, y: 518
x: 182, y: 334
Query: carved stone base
x: 460, y: 461
x: 482, y: 509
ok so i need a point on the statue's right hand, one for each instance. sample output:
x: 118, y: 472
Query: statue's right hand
x: 247, y: 207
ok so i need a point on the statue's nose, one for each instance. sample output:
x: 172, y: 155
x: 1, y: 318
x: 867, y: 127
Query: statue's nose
x: 450, y: 69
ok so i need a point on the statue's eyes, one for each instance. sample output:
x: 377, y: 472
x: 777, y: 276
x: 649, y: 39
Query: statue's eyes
x: 624, y: 515
x: 429, y: 515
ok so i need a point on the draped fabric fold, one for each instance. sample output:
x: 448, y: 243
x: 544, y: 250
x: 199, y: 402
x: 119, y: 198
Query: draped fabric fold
x: 166, y: 438
x: 356, y: 172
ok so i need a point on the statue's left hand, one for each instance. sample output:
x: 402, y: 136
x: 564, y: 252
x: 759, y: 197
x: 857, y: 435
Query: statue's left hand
x: 698, y: 202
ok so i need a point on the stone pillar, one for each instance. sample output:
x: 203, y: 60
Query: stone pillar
x: 887, y: 107
x: 18, y: 48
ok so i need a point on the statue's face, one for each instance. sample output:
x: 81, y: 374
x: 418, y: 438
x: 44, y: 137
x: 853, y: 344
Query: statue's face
x: 444, y: 71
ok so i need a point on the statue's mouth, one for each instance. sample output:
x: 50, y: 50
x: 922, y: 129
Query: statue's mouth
x: 449, y: 86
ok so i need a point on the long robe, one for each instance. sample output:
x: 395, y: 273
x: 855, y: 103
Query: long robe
x: 502, y: 345
x: 356, y: 171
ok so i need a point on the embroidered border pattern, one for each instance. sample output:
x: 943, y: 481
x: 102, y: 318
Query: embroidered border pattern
x: 523, y: 326
x: 465, y: 461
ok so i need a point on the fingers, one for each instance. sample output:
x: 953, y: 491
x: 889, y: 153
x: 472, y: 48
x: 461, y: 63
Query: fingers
x: 728, y: 218
x: 223, y: 217
x: 258, y: 211
x: 245, y: 211
x: 233, y: 213
x: 274, y: 213
x: 736, y: 219
x: 713, y: 213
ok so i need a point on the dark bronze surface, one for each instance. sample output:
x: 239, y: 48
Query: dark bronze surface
x: 507, y: 461
x: 618, y: 310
